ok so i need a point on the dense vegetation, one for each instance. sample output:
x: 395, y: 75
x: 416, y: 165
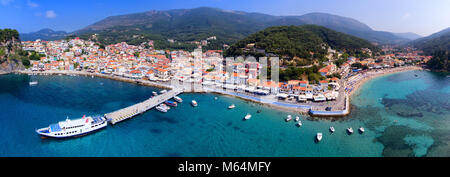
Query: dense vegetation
x: 306, y: 41
x: 440, y: 61
x: 11, y: 51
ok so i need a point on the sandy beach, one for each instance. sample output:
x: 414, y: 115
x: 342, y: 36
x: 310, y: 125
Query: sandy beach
x: 355, y: 82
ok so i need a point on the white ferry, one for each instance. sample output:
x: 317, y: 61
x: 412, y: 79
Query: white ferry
x: 73, y: 128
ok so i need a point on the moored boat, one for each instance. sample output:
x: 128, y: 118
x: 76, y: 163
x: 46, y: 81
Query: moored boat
x: 163, y: 91
x: 33, y: 83
x: 350, y: 130
x: 297, y: 118
x: 289, y: 118
x: 154, y: 93
x: 248, y: 116
x: 194, y: 103
x: 73, y: 128
x: 319, y: 136
x: 299, y: 124
x: 332, y: 129
x: 171, y: 103
x: 361, y: 129
x: 161, y: 108
x: 178, y: 99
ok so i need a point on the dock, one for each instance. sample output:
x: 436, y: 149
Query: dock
x: 139, y: 108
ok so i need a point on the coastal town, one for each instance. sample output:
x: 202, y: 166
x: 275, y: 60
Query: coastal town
x: 200, y: 71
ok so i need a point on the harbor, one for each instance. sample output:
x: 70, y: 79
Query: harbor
x: 211, y: 129
x: 139, y: 108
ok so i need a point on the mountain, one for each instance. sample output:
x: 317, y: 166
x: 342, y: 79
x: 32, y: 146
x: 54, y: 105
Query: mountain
x: 352, y: 27
x: 228, y: 26
x: 408, y: 35
x: 434, y: 42
x: 43, y: 34
x: 305, y: 41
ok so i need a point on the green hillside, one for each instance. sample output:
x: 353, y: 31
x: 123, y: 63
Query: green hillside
x: 306, y: 41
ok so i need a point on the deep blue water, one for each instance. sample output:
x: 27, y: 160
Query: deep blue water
x: 212, y: 130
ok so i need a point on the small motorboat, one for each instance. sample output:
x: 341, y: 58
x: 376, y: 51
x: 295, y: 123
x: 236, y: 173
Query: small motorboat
x: 297, y: 118
x: 171, y: 103
x: 350, y: 130
x: 178, y: 99
x: 319, y: 136
x: 299, y: 124
x: 361, y: 129
x: 248, y: 116
x: 289, y: 118
x: 163, y: 91
x: 33, y: 83
x: 161, y: 108
x: 231, y: 106
x: 332, y: 129
x: 194, y: 103
x: 154, y: 93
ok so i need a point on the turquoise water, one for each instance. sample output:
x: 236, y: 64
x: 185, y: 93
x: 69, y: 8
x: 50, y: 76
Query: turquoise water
x: 212, y: 130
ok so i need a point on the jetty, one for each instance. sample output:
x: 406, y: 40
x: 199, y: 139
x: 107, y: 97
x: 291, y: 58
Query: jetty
x: 139, y: 108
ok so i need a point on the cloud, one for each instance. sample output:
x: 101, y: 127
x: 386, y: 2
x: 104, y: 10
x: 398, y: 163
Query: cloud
x: 32, y: 4
x: 406, y: 15
x: 50, y: 14
x: 5, y: 2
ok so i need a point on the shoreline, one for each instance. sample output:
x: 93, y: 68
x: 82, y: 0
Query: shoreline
x: 372, y: 75
x: 300, y: 109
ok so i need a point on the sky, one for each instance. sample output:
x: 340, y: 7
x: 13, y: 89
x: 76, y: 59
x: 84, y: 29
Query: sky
x: 422, y: 17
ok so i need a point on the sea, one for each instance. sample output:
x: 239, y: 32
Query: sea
x: 404, y: 115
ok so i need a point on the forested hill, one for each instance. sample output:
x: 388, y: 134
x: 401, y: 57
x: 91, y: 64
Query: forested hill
x: 306, y: 41
x: 12, y: 56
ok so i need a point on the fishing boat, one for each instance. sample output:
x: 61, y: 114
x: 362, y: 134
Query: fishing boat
x: 171, y: 103
x: 161, y: 108
x: 194, y: 103
x: 154, y: 93
x: 178, y: 99
x: 73, y: 128
x: 319, y: 136
x: 248, y: 116
x: 299, y: 124
x: 332, y: 129
x: 350, y: 130
x: 361, y: 129
x: 297, y: 118
x: 289, y: 118
x: 231, y: 106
